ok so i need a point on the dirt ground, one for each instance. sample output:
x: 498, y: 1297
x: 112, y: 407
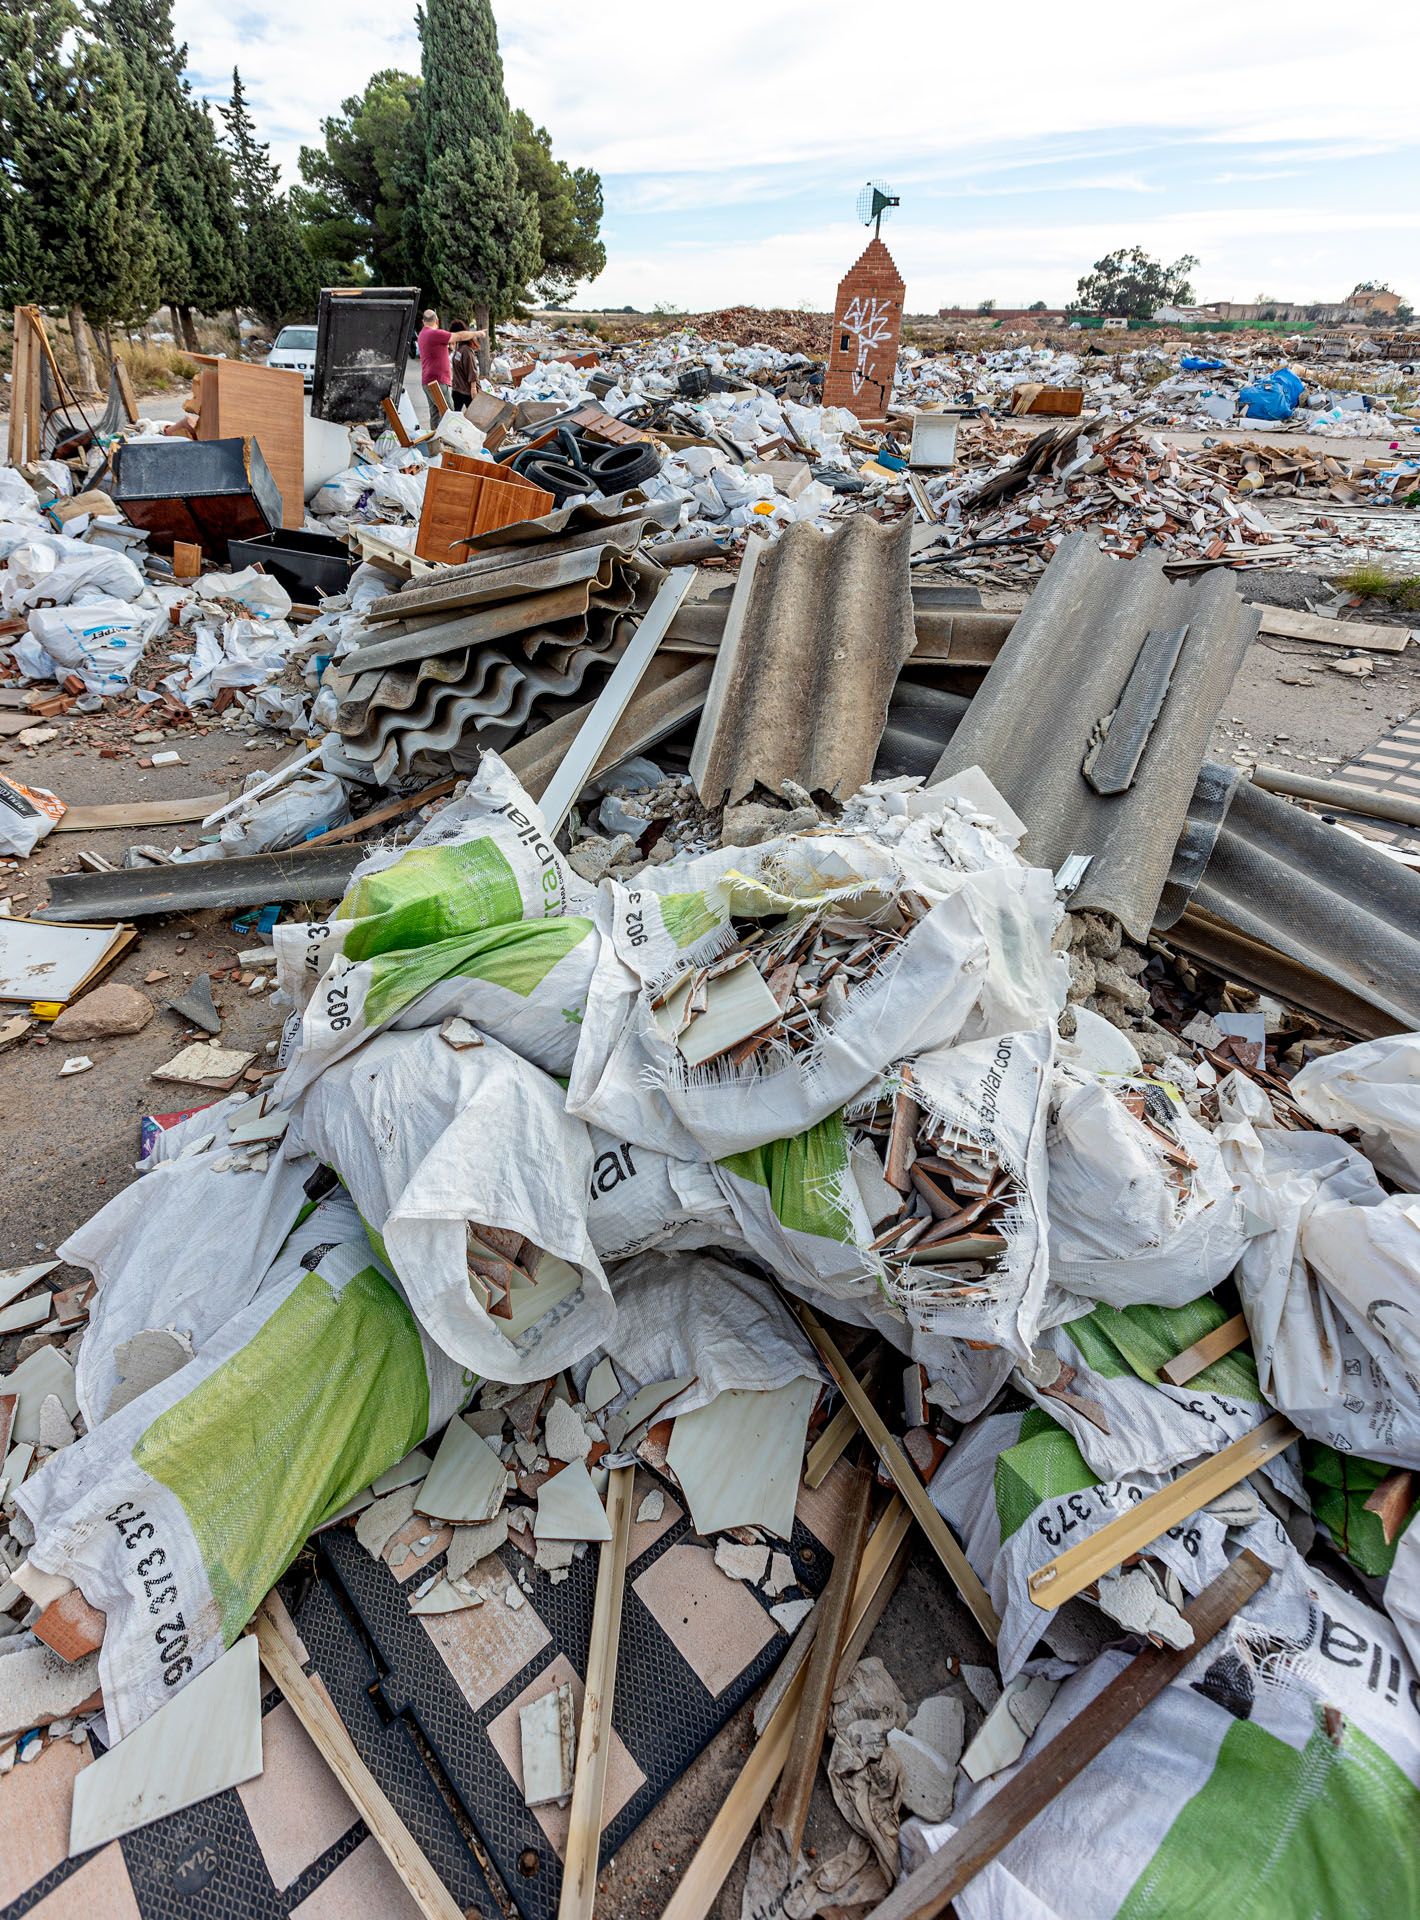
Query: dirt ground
x: 71, y: 1143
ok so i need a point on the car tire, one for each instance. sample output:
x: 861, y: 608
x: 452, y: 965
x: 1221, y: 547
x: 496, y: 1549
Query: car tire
x: 622, y: 467
x: 557, y: 477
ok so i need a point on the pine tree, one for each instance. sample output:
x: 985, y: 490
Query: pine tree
x: 569, y: 211
x: 76, y: 219
x: 196, y: 239
x: 280, y: 274
x: 479, y: 225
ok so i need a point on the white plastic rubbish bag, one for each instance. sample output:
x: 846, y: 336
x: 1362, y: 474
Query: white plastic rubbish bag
x: 1332, y: 1302
x: 311, y: 803
x: 1374, y: 1088
x: 55, y: 570
x: 178, y: 1514
x: 27, y: 814
x: 100, y: 640
x: 434, y: 1139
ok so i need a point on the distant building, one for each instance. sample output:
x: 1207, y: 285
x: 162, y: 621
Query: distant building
x: 1379, y: 300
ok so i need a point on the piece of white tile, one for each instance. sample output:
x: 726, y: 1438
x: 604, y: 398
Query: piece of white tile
x: 602, y: 1386
x: 568, y: 1507
x: 740, y: 1562
x: 407, y: 1472
x: 563, y: 1434
x: 547, y: 1729
x: 791, y: 1614
x: 22, y: 1314
x: 445, y: 1597
x: 17, y: 1280
x: 472, y: 1544
x: 379, y: 1523
x: 45, y: 1372
x: 739, y: 1459
x: 205, y: 1739
x: 651, y: 1508
x: 642, y: 1406
x: 737, y: 1004
x: 467, y: 1482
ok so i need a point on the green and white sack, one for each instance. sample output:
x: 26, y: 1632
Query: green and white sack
x: 1017, y: 1491
x: 1276, y: 1776
x: 1106, y: 1364
x: 177, y: 1515
x: 639, y: 1200
x: 430, y: 1137
x: 475, y: 917
x: 1125, y: 1226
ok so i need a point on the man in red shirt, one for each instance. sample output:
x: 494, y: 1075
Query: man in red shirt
x: 434, y: 367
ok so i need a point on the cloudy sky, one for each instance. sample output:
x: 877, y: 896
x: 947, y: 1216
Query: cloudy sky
x: 1280, y: 146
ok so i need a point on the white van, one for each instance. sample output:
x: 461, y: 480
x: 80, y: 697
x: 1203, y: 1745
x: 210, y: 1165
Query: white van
x: 295, y: 348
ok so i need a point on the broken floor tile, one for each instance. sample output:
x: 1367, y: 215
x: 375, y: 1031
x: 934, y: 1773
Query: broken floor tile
x: 379, y: 1523
x: 467, y: 1481
x: 547, y: 1730
x: 741, y: 1563
x: 568, y: 1507
x: 564, y: 1436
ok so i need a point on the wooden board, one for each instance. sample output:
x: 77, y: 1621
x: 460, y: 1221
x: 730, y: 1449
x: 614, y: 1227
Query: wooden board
x: 268, y: 404
x: 579, y: 1867
x: 1182, y: 1368
x: 1070, y: 1572
x: 1033, y: 1786
x: 458, y: 505
x: 139, y: 813
x: 1283, y: 624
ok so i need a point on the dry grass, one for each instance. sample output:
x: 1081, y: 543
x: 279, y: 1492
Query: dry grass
x: 1374, y: 583
x: 155, y: 369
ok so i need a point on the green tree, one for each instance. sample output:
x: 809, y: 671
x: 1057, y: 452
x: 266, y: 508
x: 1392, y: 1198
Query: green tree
x: 359, y: 206
x: 569, y: 212
x: 479, y: 224
x: 280, y: 274
x: 1130, y: 283
x: 74, y: 212
x: 196, y: 238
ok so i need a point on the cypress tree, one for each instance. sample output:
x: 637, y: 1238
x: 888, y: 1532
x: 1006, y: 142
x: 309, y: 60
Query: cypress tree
x: 280, y: 274
x: 479, y: 226
x: 77, y: 213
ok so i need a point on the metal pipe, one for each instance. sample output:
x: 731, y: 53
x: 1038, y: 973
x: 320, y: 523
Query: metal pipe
x: 1337, y: 795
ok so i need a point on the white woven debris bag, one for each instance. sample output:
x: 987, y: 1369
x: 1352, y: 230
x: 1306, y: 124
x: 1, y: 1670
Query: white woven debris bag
x: 991, y: 1095
x: 1374, y: 1088
x: 185, y: 1247
x: 100, y: 640
x: 27, y: 815
x: 477, y: 917
x: 178, y: 1514
x: 1331, y: 1294
x: 954, y: 974
x: 698, y: 1318
x: 431, y: 1138
x: 1139, y: 1213
x: 53, y: 570
x: 1016, y: 1491
x: 638, y: 1200
x: 1098, y: 1375
x: 1276, y: 1775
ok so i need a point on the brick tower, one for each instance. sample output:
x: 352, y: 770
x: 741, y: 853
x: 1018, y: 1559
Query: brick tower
x: 867, y: 319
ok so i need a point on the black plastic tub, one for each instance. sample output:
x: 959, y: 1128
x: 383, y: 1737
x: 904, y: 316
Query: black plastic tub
x: 307, y: 564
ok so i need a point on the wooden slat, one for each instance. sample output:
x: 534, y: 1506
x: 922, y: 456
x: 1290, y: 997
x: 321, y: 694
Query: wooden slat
x: 1068, y: 1573
x: 397, y: 426
x: 391, y: 810
x: 1285, y: 624
x: 1225, y: 1339
x: 139, y: 813
x: 1034, y: 1785
x: 312, y: 1707
x: 579, y: 1867
x: 905, y: 1479
x: 458, y: 505
x: 882, y: 1564
x: 791, y: 1804
x: 125, y: 390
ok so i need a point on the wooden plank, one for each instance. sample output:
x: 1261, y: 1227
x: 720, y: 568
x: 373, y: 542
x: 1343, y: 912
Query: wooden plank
x: 791, y: 1804
x: 1225, y: 1339
x: 828, y: 1449
x: 312, y: 1707
x: 397, y: 426
x: 579, y: 1867
x: 139, y: 813
x: 391, y: 810
x: 187, y: 559
x: 905, y: 1479
x: 125, y: 389
x: 1034, y: 1785
x: 1284, y: 624
x: 1068, y: 1573
x: 457, y: 505
x: 882, y: 1564
x: 19, y: 387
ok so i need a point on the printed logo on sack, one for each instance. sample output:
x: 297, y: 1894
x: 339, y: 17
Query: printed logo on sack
x: 537, y: 843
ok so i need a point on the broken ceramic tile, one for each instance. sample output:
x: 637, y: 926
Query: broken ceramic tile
x: 741, y: 1563
x: 45, y: 1372
x: 790, y: 1613
x: 55, y: 1427
x: 472, y: 1544
x: 564, y: 1436
x: 739, y: 1458
x: 602, y: 1386
x: 1001, y: 1738
x: 467, y: 1481
x: 651, y: 1508
x: 568, y: 1507
x: 407, y: 1472
x: 379, y: 1523
x: 926, y: 1781
x: 203, y: 1740
x: 547, y: 1728
x: 445, y: 1596
x: 642, y: 1407
x: 144, y: 1360
x: 781, y: 1576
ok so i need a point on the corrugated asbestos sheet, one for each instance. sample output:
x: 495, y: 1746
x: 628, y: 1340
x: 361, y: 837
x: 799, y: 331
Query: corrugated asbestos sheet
x: 1265, y: 892
x: 817, y: 632
x: 1095, y: 717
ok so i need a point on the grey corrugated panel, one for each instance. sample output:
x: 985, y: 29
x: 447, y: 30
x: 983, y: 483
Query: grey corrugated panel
x: 1266, y: 892
x: 447, y: 633
x: 1062, y: 670
x: 594, y: 517
x: 497, y: 578
x: 817, y: 632
x: 251, y: 880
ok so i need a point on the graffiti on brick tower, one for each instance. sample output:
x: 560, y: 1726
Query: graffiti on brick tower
x: 867, y: 320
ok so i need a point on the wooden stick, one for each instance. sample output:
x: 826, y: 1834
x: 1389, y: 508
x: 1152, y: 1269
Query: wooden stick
x: 579, y: 1869
x: 1032, y: 1788
x: 440, y: 398
x: 1063, y: 1577
x: 379, y: 816
x: 397, y: 426
x: 138, y: 813
x: 904, y: 1476
x: 1391, y: 1502
x: 791, y: 1805
x: 823, y: 1456
x: 321, y: 1721
x: 1224, y: 1339
x: 125, y: 390
x: 882, y: 1564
